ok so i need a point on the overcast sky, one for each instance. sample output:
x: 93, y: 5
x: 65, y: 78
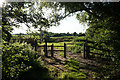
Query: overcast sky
x: 69, y: 24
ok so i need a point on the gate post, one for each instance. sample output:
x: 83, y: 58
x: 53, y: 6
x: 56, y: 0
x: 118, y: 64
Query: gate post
x: 87, y: 52
x: 52, y: 51
x: 84, y: 50
x: 87, y: 49
x: 46, y: 48
x: 64, y: 50
x: 35, y: 45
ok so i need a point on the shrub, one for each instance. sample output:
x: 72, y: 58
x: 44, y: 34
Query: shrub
x: 19, y: 60
x: 76, y: 49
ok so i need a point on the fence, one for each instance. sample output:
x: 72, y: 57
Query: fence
x: 87, y: 50
x: 52, y: 48
x: 34, y: 44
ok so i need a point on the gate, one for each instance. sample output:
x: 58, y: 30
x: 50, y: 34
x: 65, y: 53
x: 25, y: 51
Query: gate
x: 52, y: 48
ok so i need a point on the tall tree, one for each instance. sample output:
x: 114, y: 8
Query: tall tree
x: 101, y: 17
x: 28, y: 13
x: 12, y: 15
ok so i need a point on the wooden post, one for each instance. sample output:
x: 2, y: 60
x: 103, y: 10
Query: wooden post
x: 87, y: 49
x: 46, y: 48
x: 52, y: 51
x: 87, y: 52
x: 84, y: 50
x: 35, y: 45
x: 64, y: 50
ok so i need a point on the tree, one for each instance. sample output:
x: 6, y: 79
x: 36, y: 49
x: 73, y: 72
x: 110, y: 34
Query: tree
x: 75, y: 34
x: 12, y: 14
x: 20, y: 60
x: 102, y: 18
x: 15, y: 13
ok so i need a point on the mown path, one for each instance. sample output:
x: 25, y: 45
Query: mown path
x: 58, y: 63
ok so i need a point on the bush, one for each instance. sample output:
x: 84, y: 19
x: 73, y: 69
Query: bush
x: 18, y: 60
x: 76, y: 49
x: 78, y: 45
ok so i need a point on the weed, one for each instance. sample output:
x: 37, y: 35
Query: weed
x: 74, y: 67
x: 62, y: 54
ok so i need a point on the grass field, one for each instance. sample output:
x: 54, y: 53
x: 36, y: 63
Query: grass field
x: 71, y: 41
x: 68, y: 44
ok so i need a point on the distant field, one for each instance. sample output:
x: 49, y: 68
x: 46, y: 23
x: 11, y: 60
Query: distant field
x: 56, y: 41
x: 64, y: 37
x: 24, y: 36
x: 68, y: 44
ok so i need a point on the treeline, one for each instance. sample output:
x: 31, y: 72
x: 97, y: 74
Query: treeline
x: 65, y: 34
x: 51, y: 34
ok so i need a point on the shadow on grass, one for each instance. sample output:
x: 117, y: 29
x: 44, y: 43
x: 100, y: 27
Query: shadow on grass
x: 37, y: 72
x: 105, y: 71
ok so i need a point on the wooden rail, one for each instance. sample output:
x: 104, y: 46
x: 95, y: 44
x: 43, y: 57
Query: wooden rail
x: 52, y: 48
x: 55, y: 50
x: 87, y: 52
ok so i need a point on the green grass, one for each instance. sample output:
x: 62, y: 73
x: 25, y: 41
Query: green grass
x: 62, y: 54
x: 72, y: 76
x: 73, y: 66
x: 58, y: 44
x: 63, y: 37
x: 24, y: 37
x: 56, y: 37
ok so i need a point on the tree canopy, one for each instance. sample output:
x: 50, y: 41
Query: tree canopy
x: 101, y: 17
x: 15, y: 13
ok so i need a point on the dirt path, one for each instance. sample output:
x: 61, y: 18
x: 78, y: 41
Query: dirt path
x: 58, y: 62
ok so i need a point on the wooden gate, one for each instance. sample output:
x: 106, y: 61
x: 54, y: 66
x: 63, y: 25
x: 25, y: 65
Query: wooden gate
x: 87, y: 50
x: 52, y: 48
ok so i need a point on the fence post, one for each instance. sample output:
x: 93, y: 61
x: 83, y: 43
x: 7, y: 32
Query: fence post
x: 35, y: 45
x: 87, y: 52
x: 46, y: 48
x: 64, y: 50
x: 52, y: 50
x: 84, y: 50
x: 87, y: 49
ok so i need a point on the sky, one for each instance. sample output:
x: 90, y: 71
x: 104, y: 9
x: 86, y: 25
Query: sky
x: 69, y: 24
x: 1, y: 1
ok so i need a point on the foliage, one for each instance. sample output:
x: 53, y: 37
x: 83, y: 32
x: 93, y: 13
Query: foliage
x: 51, y: 37
x: 19, y: 61
x: 73, y: 76
x: 104, y: 37
x: 102, y: 19
x: 11, y: 16
x: 22, y: 12
x: 78, y: 45
x: 74, y: 67
x: 76, y: 49
x: 62, y: 54
x: 74, y: 33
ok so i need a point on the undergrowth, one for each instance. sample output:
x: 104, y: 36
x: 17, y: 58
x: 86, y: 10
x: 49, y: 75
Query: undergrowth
x: 74, y: 67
